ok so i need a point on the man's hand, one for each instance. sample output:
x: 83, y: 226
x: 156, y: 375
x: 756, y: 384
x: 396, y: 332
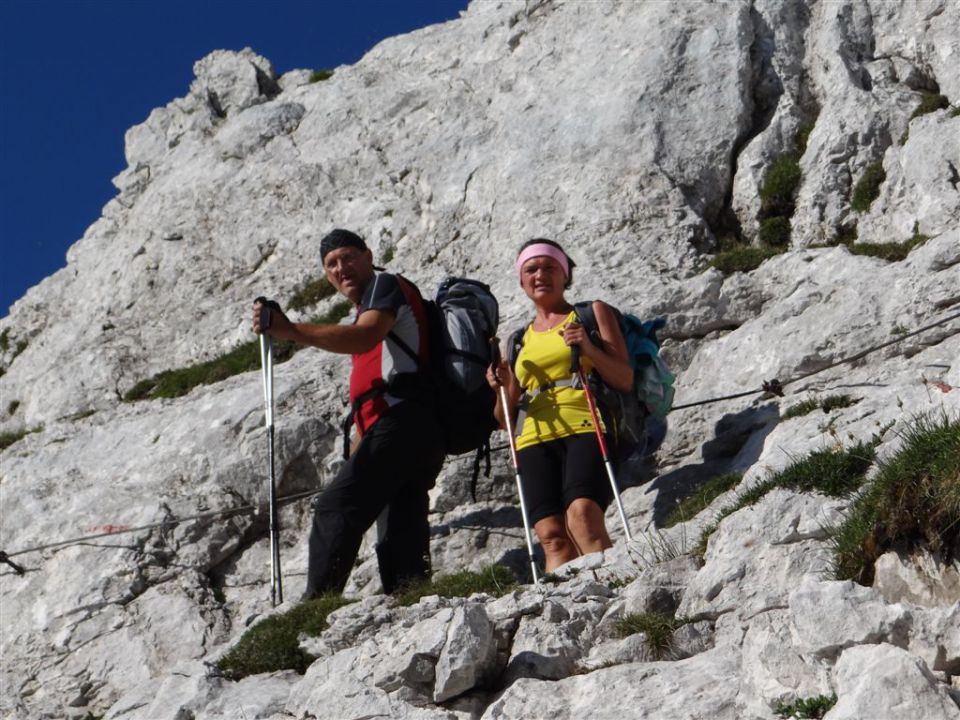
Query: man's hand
x: 278, y: 326
x: 499, y: 375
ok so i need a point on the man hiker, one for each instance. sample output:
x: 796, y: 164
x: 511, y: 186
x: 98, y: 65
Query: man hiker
x: 399, y: 448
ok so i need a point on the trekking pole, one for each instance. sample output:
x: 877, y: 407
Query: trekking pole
x: 266, y: 365
x: 575, y: 367
x: 495, y: 361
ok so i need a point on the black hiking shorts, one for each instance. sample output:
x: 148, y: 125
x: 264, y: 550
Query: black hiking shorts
x: 557, y: 472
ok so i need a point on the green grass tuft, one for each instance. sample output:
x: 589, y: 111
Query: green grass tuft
x: 891, y: 252
x: 867, y: 188
x: 804, y: 407
x: 618, y: 583
x: 320, y: 75
x: 914, y: 500
x: 658, y: 627
x: 930, y: 102
x: 12, y: 407
x: 274, y: 644
x: 702, y: 496
x: 244, y: 357
x: 803, y: 136
x: 310, y: 293
x: 335, y: 314
x: 827, y: 404
x: 815, y: 707
x: 388, y: 254
x: 5, y: 339
x: 9, y: 438
x: 774, y: 231
x: 845, y: 235
x: 829, y: 472
x: 175, y: 383
x: 837, y: 402
x: 743, y: 258
x: 779, y: 186
x: 495, y: 580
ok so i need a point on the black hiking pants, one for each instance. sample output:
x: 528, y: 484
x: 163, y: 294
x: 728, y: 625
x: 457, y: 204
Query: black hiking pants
x: 388, y: 476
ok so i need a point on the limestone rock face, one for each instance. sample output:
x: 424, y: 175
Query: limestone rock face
x: 639, y: 134
x: 909, y: 690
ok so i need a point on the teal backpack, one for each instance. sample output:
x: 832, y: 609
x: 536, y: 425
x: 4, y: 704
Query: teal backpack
x: 636, y: 419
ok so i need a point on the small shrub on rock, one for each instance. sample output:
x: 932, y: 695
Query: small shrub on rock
x: 320, y: 75
x: 274, y: 644
x: 914, y: 500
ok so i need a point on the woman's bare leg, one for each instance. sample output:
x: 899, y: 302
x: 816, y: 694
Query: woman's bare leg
x: 586, y: 527
x: 557, y: 546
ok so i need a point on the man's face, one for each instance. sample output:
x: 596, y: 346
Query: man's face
x: 349, y: 270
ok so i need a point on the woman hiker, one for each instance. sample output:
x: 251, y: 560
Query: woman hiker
x: 563, y: 474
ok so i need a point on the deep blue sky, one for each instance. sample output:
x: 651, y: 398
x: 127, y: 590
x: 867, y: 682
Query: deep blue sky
x: 75, y: 74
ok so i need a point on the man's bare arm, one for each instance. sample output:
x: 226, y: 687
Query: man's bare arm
x: 371, y: 328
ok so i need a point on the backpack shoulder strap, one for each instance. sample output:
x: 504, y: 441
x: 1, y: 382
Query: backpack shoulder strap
x: 588, y: 318
x: 426, y: 311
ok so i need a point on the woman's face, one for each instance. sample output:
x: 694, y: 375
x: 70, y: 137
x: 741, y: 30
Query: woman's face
x: 542, y: 278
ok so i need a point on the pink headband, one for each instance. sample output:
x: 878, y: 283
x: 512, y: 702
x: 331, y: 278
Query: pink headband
x: 543, y: 249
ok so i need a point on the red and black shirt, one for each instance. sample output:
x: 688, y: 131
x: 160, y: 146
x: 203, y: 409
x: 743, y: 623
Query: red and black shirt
x: 374, y: 369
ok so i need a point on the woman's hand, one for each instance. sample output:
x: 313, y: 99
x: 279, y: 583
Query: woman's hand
x: 576, y: 334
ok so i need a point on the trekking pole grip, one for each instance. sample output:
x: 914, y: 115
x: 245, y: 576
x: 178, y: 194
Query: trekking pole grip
x: 266, y: 311
x: 495, y: 357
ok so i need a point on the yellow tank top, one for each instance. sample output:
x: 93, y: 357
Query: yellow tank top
x: 558, y: 412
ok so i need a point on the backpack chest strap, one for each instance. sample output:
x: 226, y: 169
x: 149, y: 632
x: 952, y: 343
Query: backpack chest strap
x: 528, y: 397
x: 523, y: 405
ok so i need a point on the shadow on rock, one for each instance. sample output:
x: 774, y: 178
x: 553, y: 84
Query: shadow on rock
x: 736, y: 445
